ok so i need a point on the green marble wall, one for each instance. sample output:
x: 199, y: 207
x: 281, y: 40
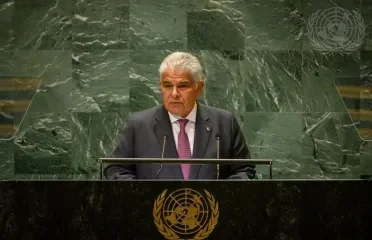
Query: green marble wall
x: 98, y: 61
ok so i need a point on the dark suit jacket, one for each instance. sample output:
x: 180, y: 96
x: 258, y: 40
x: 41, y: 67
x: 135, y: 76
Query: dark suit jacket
x: 143, y: 137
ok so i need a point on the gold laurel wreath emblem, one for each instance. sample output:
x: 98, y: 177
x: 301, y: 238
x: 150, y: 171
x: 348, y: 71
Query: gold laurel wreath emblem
x: 170, y: 234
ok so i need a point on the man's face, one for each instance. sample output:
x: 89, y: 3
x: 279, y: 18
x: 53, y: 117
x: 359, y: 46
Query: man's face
x: 179, y: 92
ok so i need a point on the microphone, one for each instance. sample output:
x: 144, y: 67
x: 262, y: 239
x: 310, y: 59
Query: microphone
x: 218, y: 153
x: 165, y: 136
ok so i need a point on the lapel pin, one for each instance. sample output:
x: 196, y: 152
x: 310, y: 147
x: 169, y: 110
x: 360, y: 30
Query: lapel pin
x: 207, y: 129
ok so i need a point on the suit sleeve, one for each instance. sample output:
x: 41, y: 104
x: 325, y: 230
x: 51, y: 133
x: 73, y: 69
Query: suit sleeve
x: 124, y: 149
x: 239, y: 151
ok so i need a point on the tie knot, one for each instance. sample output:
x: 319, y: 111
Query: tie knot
x: 183, y: 123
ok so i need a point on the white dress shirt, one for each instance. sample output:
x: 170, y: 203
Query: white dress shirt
x: 190, y: 127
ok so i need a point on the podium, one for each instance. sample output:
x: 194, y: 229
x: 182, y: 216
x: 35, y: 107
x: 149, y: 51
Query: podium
x: 158, y: 210
x: 117, y: 161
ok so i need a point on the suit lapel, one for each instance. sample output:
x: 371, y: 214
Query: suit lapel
x: 203, y: 129
x: 163, y: 126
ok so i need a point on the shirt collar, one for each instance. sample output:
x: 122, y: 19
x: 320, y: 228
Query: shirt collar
x: 191, y: 117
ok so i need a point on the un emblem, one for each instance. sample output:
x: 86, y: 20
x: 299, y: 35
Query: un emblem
x: 186, y: 214
x: 336, y: 30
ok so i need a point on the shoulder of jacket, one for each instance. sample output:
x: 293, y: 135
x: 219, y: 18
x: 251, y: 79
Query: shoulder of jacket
x: 144, y: 114
x: 216, y: 111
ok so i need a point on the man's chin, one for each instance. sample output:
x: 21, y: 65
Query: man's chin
x: 175, y: 106
x: 176, y: 110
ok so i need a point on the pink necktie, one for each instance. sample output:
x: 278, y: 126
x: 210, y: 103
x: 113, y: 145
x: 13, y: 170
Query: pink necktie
x: 184, y: 148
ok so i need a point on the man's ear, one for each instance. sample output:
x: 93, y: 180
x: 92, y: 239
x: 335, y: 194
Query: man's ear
x: 199, y: 87
x: 200, y: 84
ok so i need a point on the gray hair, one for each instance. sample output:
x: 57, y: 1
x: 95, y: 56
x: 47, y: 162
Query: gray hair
x: 182, y: 62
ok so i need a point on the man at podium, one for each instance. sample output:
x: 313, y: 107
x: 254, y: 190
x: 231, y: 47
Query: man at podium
x: 181, y: 128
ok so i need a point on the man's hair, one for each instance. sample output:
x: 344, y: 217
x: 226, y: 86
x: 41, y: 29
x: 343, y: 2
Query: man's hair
x: 182, y: 62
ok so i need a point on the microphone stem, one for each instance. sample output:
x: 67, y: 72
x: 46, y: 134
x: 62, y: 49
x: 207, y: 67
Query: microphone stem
x: 162, y: 156
x: 218, y: 157
x: 162, y: 151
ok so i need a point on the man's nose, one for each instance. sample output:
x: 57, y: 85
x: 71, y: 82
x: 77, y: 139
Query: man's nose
x: 174, y: 92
